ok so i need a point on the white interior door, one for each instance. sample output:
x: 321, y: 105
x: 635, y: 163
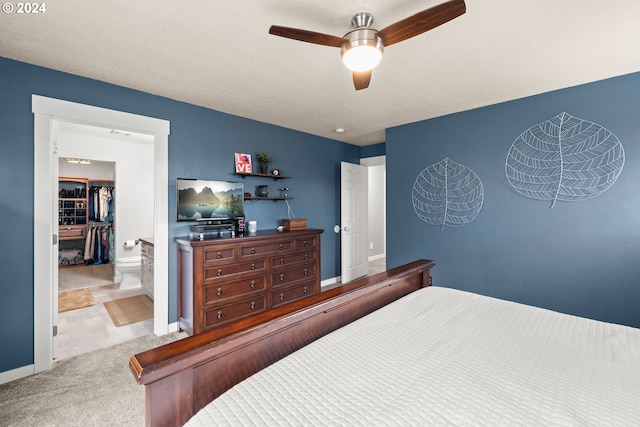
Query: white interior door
x: 354, y: 221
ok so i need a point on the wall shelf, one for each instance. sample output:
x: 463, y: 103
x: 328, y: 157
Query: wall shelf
x: 275, y: 199
x: 261, y: 175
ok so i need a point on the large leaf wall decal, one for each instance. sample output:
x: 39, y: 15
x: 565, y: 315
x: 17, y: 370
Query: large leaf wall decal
x: 447, y: 193
x: 564, y: 158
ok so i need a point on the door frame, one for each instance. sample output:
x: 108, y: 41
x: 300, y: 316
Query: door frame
x: 47, y: 111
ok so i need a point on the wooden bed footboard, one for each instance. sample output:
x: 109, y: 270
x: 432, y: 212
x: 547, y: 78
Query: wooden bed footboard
x: 182, y: 377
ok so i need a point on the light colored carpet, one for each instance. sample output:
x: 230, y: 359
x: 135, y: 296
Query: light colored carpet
x: 75, y: 299
x: 125, y: 311
x: 94, y: 389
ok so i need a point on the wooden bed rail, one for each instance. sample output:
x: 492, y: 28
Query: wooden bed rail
x: 182, y: 377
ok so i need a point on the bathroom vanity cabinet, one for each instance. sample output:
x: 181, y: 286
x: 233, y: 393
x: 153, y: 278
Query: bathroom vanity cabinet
x: 225, y: 279
x: 146, y: 265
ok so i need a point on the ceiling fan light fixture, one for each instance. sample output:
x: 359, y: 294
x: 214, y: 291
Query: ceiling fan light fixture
x: 362, y: 51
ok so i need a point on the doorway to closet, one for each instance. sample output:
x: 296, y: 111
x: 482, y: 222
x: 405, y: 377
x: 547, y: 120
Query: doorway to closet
x: 49, y: 113
x: 94, y: 311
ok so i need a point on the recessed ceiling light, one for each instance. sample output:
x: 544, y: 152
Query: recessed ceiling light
x: 339, y: 130
x: 79, y: 161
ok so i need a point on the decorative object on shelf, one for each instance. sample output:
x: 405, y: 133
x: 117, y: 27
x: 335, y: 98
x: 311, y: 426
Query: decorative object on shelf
x: 294, y: 224
x: 564, y: 158
x: 262, y: 191
x: 243, y: 163
x: 447, y: 193
x: 253, y: 226
x: 276, y: 172
x: 265, y: 160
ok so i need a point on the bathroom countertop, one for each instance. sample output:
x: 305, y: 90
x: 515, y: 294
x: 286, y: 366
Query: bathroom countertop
x: 147, y: 240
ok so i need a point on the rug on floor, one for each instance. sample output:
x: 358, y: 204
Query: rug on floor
x: 75, y: 299
x: 125, y: 311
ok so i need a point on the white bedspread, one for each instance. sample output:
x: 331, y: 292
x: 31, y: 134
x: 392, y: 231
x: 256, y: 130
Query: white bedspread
x: 445, y: 357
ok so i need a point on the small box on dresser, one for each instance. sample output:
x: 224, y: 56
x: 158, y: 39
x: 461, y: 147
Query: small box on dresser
x: 226, y: 279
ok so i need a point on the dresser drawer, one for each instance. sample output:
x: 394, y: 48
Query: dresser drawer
x: 215, y: 294
x: 218, y: 254
x: 292, y: 258
x: 291, y: 294
x: 227, y: 271
x: 70, y: 232
x: 306, y: 242
x: 266, y: 247
x: 305, y: 271
x: 216, y: 316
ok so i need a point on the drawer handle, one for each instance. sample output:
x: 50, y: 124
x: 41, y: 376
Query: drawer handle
x: 281, y: 297
x: 220, y: 292
x: 253, y: 283
x: 281, y: 261
x: 253, y: 266
x: 305, y: 243
x: 220, y: 314
x: 306, y: 271
x: 219, y: 272
x: 281, y: 276
x: 253, y: 250
x: 306, y: 256
x: 305, y: 290
x: 281, y: 246
x: 219, y: 255
x: 253, y: 305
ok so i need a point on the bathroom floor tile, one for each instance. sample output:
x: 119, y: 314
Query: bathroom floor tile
x: 91, y: 328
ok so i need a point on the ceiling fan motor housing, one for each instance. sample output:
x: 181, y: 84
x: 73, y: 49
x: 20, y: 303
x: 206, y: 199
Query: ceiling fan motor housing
x: 362, y: 38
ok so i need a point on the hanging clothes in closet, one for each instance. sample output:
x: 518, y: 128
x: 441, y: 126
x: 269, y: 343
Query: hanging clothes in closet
x: 98, y: 245
x: 99, y: 242
x: 101, y: 202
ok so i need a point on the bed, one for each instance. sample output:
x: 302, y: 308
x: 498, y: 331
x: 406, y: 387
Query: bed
x: 423, y: 355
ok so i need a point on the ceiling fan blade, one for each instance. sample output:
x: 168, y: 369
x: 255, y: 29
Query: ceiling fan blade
x: 361, y: 79
x: 306, y: 36
x: 422, y: 21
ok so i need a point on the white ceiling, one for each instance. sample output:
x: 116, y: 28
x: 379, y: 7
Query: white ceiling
x: 219, y: 55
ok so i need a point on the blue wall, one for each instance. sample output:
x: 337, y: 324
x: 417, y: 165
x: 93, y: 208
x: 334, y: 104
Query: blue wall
x: 201, y: 145
x: 373, y: 150
x: 581, y: 258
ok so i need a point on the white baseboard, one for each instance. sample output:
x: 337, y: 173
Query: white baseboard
x: 172, y: 327
x: 375, y: 257
x: 16, y: 374
x: 329, y: 282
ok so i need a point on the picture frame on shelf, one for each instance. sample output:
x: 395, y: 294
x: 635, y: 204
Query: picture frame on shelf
x: 243, y: 163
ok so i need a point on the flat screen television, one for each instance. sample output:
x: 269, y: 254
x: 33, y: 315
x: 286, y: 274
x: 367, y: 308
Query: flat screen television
x: 207, y: 200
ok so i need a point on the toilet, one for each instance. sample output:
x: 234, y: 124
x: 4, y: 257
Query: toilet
x: 128, y: 272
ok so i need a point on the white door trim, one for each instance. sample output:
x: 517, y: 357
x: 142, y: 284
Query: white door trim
x: 46, y: 111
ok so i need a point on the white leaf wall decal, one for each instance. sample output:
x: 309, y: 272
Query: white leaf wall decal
x: 564, y: 158
x: 447, y: 193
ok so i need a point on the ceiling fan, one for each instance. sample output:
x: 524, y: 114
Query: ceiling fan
x: 362, y: 47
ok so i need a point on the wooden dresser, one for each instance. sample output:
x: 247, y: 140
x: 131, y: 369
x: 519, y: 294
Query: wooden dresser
x: 226, y: 279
